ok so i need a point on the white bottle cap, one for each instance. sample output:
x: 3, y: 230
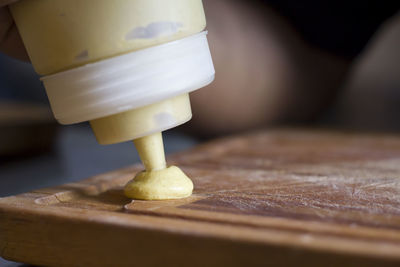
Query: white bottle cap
x: 131, y: 80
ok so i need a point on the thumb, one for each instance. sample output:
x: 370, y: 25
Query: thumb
x: 10, y: 40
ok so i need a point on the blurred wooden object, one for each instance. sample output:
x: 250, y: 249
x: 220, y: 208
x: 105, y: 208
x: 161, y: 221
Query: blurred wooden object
x: 25, y: 128
x: 283, y: 197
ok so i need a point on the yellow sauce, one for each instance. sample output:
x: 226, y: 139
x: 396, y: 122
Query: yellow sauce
x: 157, y: 182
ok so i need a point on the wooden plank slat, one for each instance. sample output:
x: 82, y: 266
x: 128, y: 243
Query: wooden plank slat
x: 287, y: 197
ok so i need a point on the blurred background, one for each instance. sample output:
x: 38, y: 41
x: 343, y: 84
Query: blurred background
x: 269, y: 73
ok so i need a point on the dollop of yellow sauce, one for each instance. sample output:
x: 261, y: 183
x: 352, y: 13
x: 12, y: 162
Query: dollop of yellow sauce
x: 157, y: 181
x: 168, y: 183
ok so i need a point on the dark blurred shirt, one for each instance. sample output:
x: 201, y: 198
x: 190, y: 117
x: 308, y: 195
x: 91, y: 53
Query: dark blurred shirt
x: 340, y: 27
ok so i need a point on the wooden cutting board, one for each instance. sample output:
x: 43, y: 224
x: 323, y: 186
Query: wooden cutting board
x: 282, y: 197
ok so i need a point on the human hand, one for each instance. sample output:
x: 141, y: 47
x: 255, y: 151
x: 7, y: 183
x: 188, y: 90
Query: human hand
x: 10, y: 40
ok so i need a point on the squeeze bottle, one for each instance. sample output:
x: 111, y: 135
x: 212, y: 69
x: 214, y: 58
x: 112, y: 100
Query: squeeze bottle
x: 126, y: 66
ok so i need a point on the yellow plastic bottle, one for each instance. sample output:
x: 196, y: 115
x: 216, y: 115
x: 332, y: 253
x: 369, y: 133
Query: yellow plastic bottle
x: 127, y: 67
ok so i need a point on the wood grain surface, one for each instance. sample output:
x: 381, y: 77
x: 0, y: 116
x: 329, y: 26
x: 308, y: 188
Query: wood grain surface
x: 279, y: 197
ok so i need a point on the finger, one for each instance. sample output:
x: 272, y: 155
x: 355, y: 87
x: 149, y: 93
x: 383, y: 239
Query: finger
x: 10, y: 40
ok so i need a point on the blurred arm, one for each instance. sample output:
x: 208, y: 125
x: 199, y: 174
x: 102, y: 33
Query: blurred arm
x: 265, y: 72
